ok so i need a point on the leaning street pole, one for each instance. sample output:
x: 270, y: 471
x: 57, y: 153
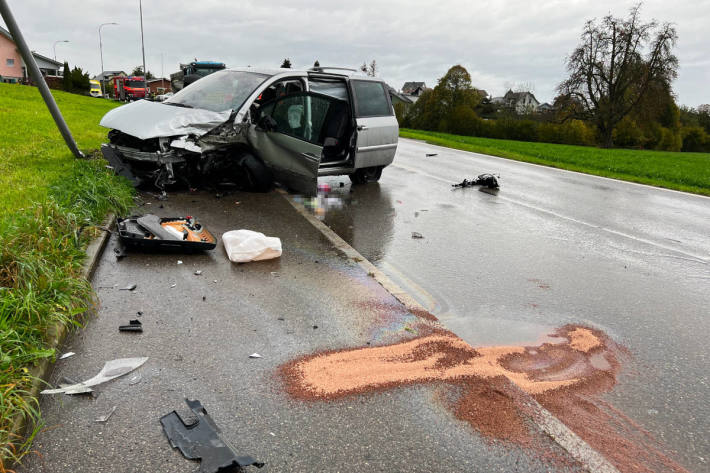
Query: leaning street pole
x: 145, y: 73
x: 37, y: 77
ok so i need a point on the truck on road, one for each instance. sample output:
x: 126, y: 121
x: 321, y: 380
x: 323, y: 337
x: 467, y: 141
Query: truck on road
x: 128, y: 88
x: 193, y: 71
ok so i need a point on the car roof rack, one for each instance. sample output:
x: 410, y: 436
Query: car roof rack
x: 323, y: 68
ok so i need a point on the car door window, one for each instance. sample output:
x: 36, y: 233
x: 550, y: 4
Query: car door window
x: 304, y: 115
x: 370, y: 99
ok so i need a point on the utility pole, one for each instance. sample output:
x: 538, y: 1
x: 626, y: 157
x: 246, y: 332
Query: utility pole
x: 145, y: 72
x: 101, y: 52
x: 37, y: 77
x: 55, y: 46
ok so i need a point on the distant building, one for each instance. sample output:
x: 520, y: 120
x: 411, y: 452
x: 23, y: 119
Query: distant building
x: 397, y: 97
x: 412, y: 90
x: 13, y: 69
x: 521, y: 102
x: 545, y: 107
x: 107, y: 75
x: 159, y: 86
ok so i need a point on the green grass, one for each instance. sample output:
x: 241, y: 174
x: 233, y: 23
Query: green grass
x: 50, y: 202
x: 689, y: 172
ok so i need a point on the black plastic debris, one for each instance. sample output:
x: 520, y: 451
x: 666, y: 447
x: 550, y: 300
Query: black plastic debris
x: 485, y: 180
x: 429, y: 155
x: 133, y: 326
x: 150, y: 232
x: 201, y: 440
x: 417, y: 235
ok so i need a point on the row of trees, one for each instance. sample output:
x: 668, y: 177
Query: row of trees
x: 75, y: 80
x: 618, y: 93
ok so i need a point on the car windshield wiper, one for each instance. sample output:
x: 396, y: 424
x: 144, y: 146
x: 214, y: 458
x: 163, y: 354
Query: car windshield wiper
x: 178, y: 104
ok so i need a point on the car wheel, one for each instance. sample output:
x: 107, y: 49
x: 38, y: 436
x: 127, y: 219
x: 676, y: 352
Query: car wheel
x: 365, y: 175
x: 258, y: 176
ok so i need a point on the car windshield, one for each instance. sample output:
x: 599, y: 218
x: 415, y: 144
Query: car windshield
x: 134, y: 83
x: 218, y: 92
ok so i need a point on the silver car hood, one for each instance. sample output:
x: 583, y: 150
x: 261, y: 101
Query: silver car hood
x: 144, y: 120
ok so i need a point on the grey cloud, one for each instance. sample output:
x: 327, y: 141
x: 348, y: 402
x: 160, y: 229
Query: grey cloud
x: 499, y: 42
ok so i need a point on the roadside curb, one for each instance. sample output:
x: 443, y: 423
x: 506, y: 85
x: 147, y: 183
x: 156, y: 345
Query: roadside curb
x: 563, y: 436
x: 58, y: 332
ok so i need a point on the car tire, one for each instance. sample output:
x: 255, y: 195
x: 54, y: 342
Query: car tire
x: 258, y: 176
x: 366, y: 175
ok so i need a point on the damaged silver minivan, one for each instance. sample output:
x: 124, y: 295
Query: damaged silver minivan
x: 254, y: 127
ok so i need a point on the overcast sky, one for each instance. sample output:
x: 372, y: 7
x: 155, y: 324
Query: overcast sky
x: 501, y: 43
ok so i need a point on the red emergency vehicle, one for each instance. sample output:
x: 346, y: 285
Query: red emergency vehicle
x: 129, y: 88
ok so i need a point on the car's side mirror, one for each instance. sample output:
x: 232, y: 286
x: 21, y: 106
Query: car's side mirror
x: 266, y: 123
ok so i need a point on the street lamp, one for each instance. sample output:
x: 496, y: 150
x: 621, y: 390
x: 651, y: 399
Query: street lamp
x: 101, y: 52
x: 55, y: 46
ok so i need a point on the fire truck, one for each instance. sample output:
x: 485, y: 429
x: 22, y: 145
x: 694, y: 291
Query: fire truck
x: 129, y: 88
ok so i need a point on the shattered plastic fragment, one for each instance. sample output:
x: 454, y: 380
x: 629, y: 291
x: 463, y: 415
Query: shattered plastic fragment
x: 417, y: 235
x: 104, y: 418
x: 429, y: 155
x: 111, y: 370
x: 179, y: 262
x: 201, y: 440
x: 173, y: 285
x: 67, y: 355
x: 255, y: 355
x: 135, y: 380
x: 132, y: 287
x: 197, y: 273
x: 133, y: 326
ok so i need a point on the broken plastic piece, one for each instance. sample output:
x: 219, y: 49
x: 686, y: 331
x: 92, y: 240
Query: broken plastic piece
x: 198, y: 272
x: 111, y: 370
x: 164, y: 233
x: 67, y: 355
x: 429, y: 155
x: 417, y: 235
x: 135, y: 380
x: 133, y: 326
x: 255, y: 355
x: 132, y: 287
x: 245, y: 245
x: 201, y: 440
x: 486, y: 180
x: 179, y: 262
x: 104, y: 418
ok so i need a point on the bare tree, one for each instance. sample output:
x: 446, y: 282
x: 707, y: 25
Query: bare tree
x: 372, y: 69
x: 612, y: 68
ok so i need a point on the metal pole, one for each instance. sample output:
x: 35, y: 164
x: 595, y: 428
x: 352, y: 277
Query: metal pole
x: 55, y: 46
x: 101, y: 52
x: 36, y: 75
x: 145, y: 73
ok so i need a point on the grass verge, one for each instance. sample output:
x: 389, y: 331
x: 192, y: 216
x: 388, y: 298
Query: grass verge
x: 689, y: 172
x: 50, y: 203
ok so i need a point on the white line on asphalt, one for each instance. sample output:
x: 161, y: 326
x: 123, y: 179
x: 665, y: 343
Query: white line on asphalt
x: 693, y: 257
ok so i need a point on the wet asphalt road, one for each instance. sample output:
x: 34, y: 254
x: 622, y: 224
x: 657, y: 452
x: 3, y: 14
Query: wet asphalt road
x: 551, y: 248
x: 310, y: 299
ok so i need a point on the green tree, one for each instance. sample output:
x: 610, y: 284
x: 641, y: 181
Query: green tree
x: 66, y: 78
x: 79, y: 81
x: 138, y: 71
x: 286, y: 64
x: 316, y: 64
x: 609, y: 72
